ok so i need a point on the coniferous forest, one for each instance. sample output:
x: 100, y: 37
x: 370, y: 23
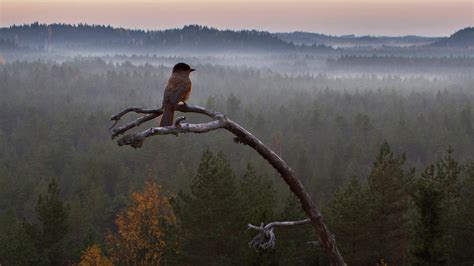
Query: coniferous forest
x: 382, y: 138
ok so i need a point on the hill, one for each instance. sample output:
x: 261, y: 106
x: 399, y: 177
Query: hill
x: 192, y: 38
x: 461, y: 39
x: 308, y: 38
x: 196, y: 38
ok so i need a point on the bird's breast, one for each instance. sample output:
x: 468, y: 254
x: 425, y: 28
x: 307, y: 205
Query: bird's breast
x: 186, y: 95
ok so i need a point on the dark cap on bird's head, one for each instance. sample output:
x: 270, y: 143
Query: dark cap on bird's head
x: 182, y: 67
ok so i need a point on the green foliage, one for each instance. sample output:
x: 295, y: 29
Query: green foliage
x: 53, y: 115
x: 387, y: 191
x: 372, y: 223
x: 16, y: 245
x: 347, y: 216
x: 443, y: 202
x: 49, y: 235
x: 293, y: 245
x: 43, y: 243
x: 258, y: 201
x: 210, y: 215
x: 429, y: 244
x: 258, y: 197
x: 463, y: 246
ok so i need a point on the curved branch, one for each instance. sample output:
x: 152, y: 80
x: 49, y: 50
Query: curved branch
x: 327, y: 240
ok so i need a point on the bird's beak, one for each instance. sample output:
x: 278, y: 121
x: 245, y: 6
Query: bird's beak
x: 192, y: 69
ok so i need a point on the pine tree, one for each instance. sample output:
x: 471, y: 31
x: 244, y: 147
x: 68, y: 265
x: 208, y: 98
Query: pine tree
x: 388, y: 208
x: 16, y: 246
x: 210, y: 216
x: 463, y: 244
x: 348, y: 219
x: 258, y: 204
x: 449, y: 171
x: 49, y: 236
x: 429, y: 246
x: 258, y: 197
x: 293, y: 245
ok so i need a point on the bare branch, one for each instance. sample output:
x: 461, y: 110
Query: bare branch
x: 279, y: 224
x: 135, y: 110
x: 152, y: 114
x: 136, y: 139
x: 219, y: 120
x: 266, y: 239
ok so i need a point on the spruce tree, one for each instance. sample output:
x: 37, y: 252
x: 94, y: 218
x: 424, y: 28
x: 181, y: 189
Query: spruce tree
x: 296, y: 245
x: 449, y: 172
x: 429, y: 244
x: 209, y: 216
x: 16, y: 246
x: 388, y: 208
x: 258, y: 203
x: 348, y: 219
x: 258, y: 197
x: 463, y: 246
x: 49, y: 235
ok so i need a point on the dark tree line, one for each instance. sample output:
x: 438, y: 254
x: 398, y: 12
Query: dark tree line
x: 191, y: 37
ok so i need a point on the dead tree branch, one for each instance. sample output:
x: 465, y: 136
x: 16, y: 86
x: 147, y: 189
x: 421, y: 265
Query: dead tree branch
x: 266, y: 239
x: 326, y: 239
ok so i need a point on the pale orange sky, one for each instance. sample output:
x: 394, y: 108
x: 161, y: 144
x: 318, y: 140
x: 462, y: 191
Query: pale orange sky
x: 360, y: 17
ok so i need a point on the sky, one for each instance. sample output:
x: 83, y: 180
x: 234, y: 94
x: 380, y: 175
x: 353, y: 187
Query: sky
x: 334, y: 17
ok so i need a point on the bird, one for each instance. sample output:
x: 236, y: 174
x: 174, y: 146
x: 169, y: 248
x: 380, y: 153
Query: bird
x: 178, y: 89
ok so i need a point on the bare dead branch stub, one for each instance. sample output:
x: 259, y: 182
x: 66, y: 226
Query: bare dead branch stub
x: 219, y: 121
x: 266, y: 239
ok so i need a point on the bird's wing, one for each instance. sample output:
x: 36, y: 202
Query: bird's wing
x: 178, y: 93
x: 168, y: 94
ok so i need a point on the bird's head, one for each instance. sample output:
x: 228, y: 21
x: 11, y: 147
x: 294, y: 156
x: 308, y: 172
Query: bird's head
x: 182, y: 68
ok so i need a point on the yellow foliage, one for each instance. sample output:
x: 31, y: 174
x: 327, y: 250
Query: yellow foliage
x: 382, y: 263
x: 140, y: 239
x: 92, y: 256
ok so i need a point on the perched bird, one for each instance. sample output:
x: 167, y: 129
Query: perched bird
x: 177, y: 90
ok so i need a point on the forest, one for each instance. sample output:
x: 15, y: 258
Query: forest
x: 384, y: 144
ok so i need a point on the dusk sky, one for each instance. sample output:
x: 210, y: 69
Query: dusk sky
x: 360, y: 17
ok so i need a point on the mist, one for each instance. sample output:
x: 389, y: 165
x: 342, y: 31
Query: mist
x: 324, y: 107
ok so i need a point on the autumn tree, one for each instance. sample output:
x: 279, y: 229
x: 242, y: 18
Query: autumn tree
x: 93, y: 256
x: 140, y: 238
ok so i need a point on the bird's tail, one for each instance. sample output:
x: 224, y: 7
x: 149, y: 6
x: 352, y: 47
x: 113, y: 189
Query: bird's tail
x: 168, y: 116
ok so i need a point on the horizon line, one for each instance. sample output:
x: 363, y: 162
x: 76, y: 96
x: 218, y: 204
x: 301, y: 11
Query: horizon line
x: 220, y: 29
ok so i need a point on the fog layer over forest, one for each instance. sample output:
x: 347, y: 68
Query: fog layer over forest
x: 329, y: 111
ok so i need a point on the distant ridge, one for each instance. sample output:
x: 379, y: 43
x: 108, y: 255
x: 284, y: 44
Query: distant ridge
x: 461, y: 39
x: 191, y: 37
x: 308, y: 38
x: 196, y: 38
